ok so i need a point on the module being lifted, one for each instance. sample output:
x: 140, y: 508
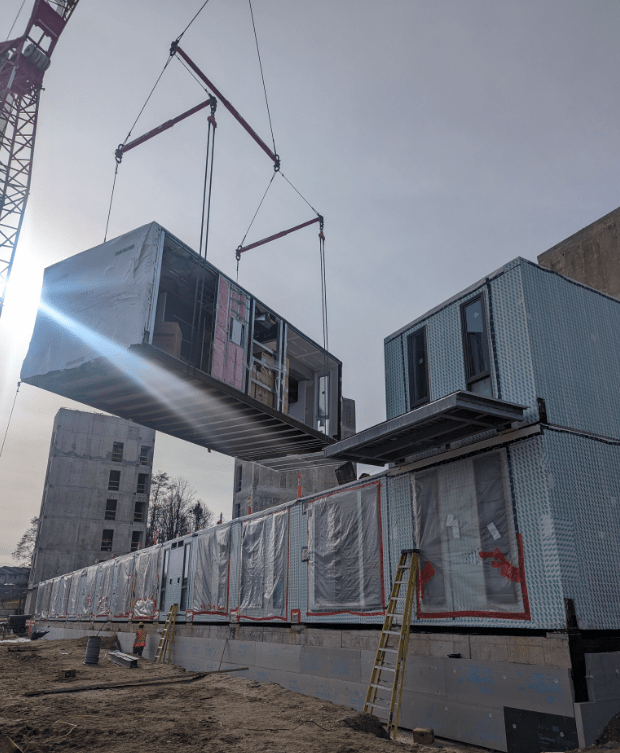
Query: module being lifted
x: 144, y: 328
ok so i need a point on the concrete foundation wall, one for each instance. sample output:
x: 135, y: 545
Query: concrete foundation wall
x: 461, y: 698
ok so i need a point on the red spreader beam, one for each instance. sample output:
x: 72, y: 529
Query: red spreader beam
x: 275, y: 237
x: 164, y: 127
x: 272, y: 156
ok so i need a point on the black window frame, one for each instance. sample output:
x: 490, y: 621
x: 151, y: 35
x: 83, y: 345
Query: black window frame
x: 136, y: 540
x: 114, y: 481
x: 145, y: 454
x: 411, y: 367
x: 118, y: 448
x: 238, y: 478
x: 470, y: 378
x: 110, y: 511
x: 142, y: 486
x: 105, y: 547
x: 138, y: 511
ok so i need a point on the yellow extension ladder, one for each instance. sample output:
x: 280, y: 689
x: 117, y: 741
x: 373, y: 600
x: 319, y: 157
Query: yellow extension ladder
x: 391, y: 658
x: 164, y: 647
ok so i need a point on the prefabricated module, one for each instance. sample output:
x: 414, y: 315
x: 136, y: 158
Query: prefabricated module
x: 146, y: 329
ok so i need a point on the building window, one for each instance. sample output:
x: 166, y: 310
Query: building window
x: 138, y: 512
x: 106, y: 540
x: 114, y: 481
x: 418, y: 368
x: 475, y: 347
x: 238, y: 478
x: 145, y: 455
x: 143, y: 480
x: 117, y: 452
x: 136, y: 540
x: 110, y: 509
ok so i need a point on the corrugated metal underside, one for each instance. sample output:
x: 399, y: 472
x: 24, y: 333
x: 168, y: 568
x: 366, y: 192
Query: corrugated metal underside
x: 163, y: 393
x: 440, y: 422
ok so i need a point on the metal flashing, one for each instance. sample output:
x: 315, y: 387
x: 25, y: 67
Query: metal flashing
x: 440, y: 422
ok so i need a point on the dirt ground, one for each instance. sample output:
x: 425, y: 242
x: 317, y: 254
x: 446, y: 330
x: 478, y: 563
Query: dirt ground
x: 216, y: 713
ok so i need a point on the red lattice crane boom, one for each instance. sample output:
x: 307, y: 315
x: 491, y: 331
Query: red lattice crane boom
x: 23, y: 62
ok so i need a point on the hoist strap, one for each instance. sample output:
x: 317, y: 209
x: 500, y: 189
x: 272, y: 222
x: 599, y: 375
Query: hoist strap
x: 275, y: 237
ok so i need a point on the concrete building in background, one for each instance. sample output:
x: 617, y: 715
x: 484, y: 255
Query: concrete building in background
x: 590, y: 256
x: 95, y: 500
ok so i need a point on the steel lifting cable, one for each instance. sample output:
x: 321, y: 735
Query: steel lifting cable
x: 273, y: 175
x: 170, y: 57
x: 15, y: 21
x: 260, y: 65
x: 204, y: 231
x: 10, y: 417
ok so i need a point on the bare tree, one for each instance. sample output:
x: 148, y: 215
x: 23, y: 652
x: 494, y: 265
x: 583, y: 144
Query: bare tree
x: 200, y: 516
x: 160, y: 485
x: 174, y: 510
x: 25, y: 548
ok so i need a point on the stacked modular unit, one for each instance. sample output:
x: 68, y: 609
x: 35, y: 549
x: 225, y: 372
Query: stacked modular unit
x: 553, y: 345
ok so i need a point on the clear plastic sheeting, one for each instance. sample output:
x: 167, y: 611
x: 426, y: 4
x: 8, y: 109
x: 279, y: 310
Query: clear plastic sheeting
x: 344, y: 551
x: 74, y: 595
x: 89, y: 591
x: 211, y: 572
x: 146, y: 583
x: 469, y: 554
x: 44, y: 595
x: 264, y: 558
x: 123, y: 587
x: 105, y: 581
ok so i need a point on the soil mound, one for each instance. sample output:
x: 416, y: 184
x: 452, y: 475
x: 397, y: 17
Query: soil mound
x: 365, y: 723
x: 611, y: 733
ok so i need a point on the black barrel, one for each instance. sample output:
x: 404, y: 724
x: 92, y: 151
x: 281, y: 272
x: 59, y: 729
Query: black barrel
x: 93, y: 647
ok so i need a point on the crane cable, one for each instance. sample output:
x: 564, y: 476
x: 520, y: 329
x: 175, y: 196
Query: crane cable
x: 204, y: 232
x: 170, y: 57
x: 15, y: 21
x: 260, y: 64
x: 10, y: 417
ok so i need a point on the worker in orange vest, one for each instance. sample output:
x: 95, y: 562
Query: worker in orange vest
x: 140, y: 642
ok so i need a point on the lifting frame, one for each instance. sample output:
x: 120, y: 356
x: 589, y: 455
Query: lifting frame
x: 406, y: 575
x: 164, y: 647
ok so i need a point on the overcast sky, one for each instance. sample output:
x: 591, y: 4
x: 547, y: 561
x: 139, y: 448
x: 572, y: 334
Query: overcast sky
x: 439, y: 139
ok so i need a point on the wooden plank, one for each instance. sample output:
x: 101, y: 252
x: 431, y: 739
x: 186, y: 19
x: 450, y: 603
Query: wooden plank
x: 110, y: 685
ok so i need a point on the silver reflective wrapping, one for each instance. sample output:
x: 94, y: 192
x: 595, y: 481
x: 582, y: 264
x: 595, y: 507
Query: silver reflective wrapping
x: 264, y: 557
x: 469, y: 558
x: 114, y: 305
x: 123, y: 586
x: 210, y: 590
x: 104, y: 589
x: 252, y: 566
x: 44, y: 594
x: 74, y: 595
x: 345, y: 551
x: 54, y: 600
x: 147, y: 583
x: 89, y: 589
